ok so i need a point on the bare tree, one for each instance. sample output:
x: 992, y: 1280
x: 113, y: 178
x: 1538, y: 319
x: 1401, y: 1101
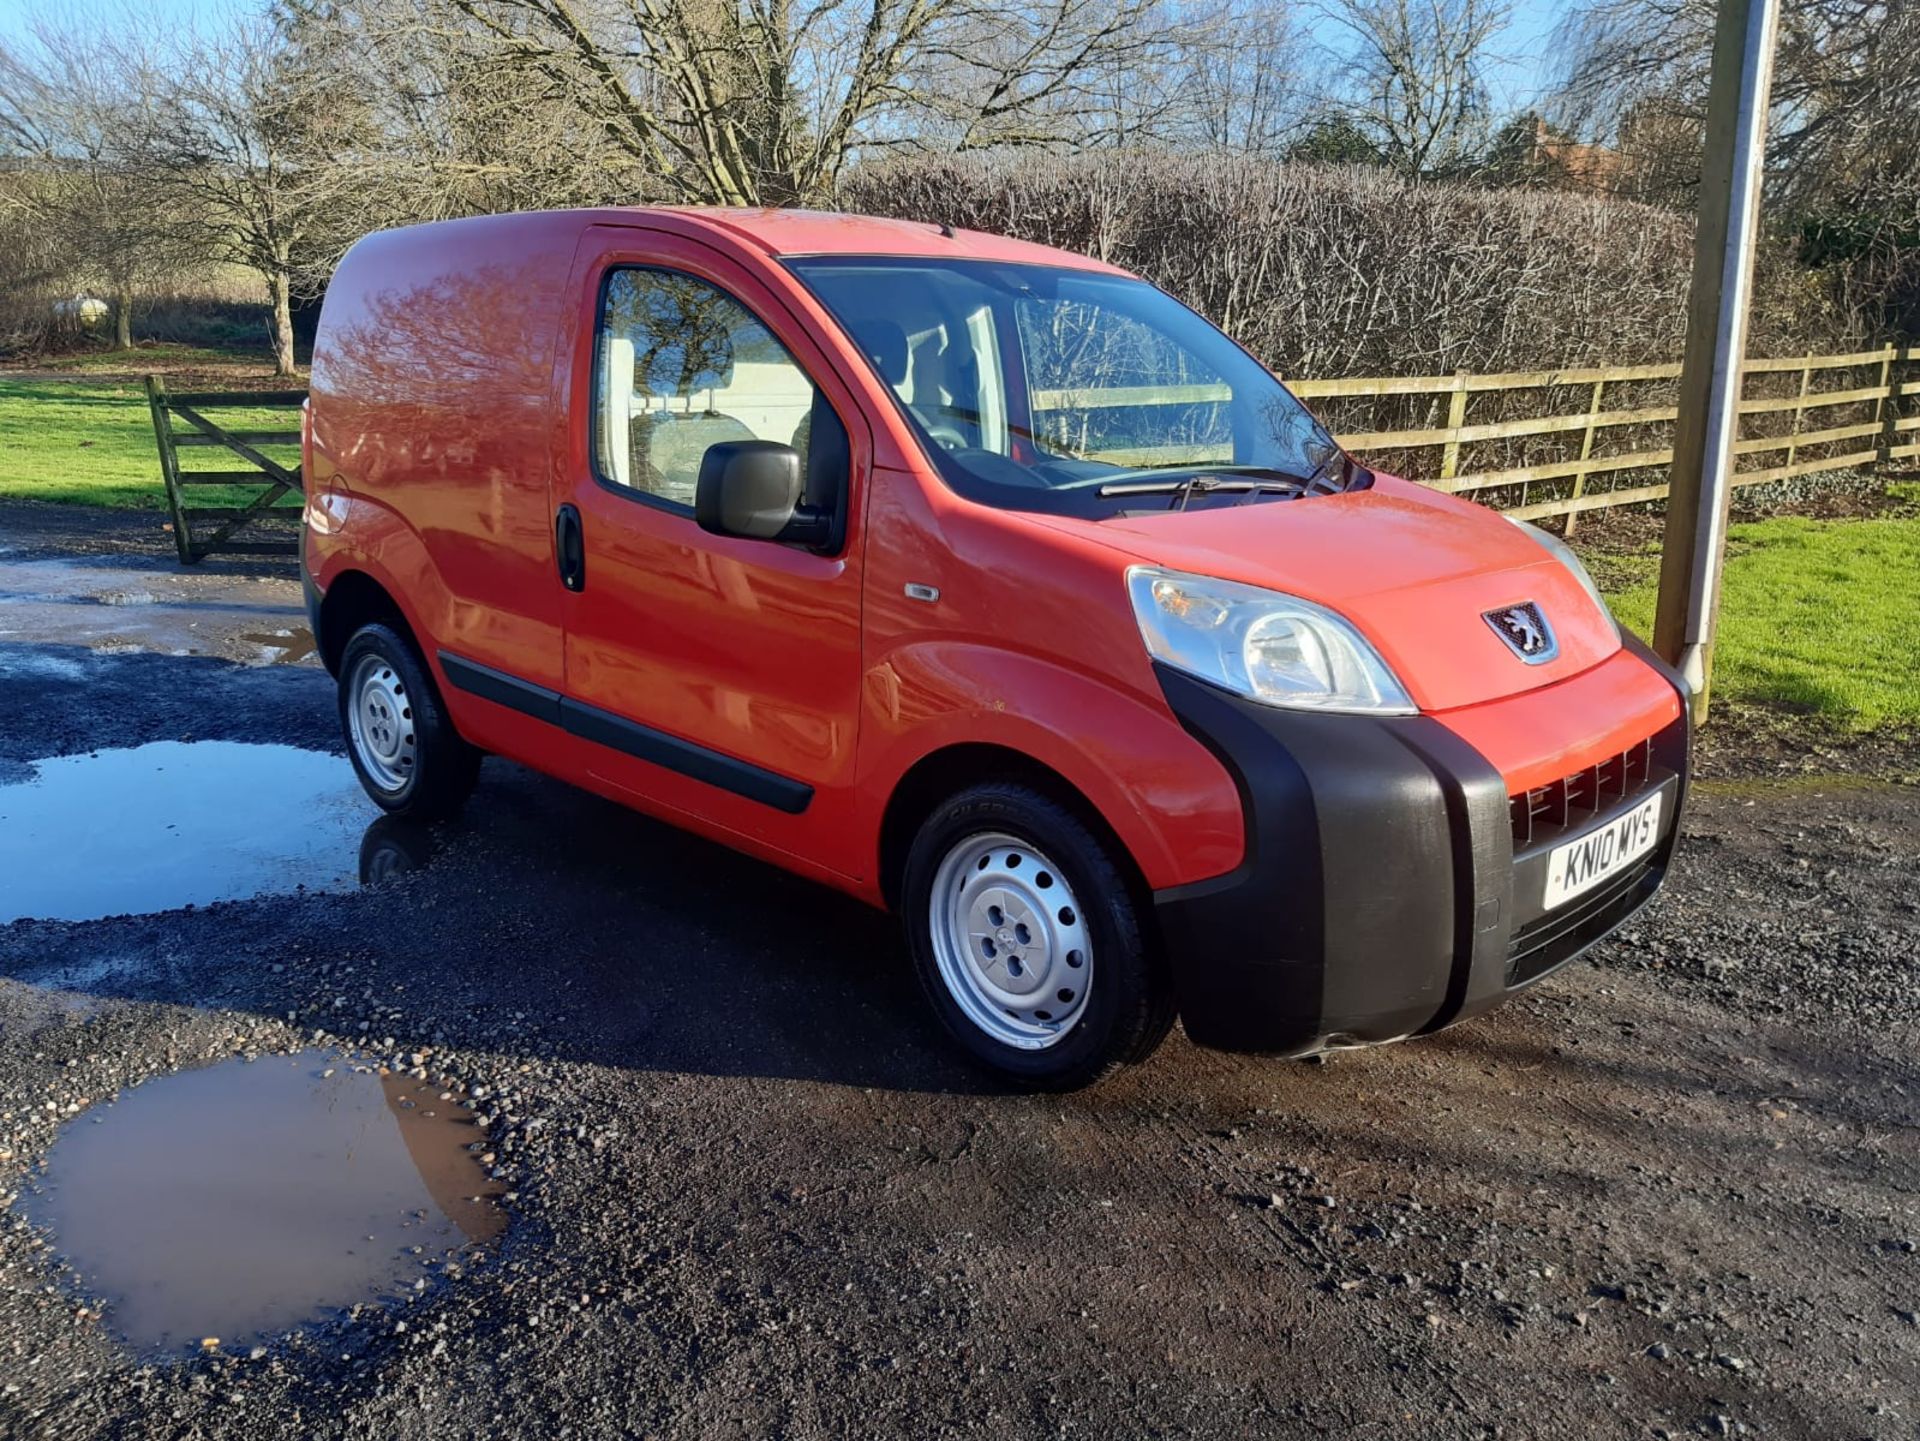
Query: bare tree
x: 1415, y: 78
x: 242, y: 129
x: 1846, y: 91
x: 1843, y: 142
x: 1236, y: 82
x: 33, y: 268
x: 766, y: 101
x: 67, y: 110
x: 444, y: 126
x: 463, y: 134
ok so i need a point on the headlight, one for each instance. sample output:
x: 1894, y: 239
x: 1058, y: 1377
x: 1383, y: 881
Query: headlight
x: 1562, y: 552
x: 1266, y: 646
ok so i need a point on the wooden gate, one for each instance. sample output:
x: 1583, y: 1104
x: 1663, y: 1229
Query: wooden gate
x: 203, y: 530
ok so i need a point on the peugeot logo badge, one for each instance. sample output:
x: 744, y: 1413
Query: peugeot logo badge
x: 1525, y: 630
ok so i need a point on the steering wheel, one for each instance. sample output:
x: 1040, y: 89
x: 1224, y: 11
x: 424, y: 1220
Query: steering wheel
x: 943, y: 423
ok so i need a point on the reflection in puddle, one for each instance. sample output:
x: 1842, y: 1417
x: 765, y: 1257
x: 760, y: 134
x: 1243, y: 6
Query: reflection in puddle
x: 174, y: 824
x: 246, y: 1199
x: 393, y: 846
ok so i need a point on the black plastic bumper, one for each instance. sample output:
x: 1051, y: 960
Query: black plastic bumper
x: 1380, y: 895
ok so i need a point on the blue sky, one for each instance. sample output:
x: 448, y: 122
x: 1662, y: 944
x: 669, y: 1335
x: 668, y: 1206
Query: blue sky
x: 1528, y: 48
x: 19, y: 17
x: 1525, y: 49
x: 16, y: 16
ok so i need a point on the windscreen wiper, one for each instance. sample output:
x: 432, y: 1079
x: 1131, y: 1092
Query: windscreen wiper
x: 1234, y: 479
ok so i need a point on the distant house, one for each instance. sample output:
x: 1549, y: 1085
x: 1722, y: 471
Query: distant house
x: 88, y: 310
x: 1528, y: 151
x: 1572, y: 164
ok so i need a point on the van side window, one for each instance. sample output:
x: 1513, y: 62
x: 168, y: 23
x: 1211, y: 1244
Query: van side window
x: 680, y: 366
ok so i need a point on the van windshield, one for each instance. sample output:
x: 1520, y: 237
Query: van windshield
x: 1039, y: 388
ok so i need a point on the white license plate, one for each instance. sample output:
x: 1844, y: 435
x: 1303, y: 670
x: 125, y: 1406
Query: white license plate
x: 1583, y: 863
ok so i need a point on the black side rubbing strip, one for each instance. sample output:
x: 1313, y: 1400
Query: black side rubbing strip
x: 659, y: 748
x: 502, y: 689
x: 629, y: 737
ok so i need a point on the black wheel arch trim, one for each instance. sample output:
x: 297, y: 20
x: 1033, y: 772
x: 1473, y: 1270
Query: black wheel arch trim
x: 629, y: 737
x: 1374, y: 843
x: 312, y: 597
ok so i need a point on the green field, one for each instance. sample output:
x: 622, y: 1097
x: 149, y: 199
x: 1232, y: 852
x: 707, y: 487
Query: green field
x: 143, y: 357
x: 1817, y: 615
x: 91, y: 443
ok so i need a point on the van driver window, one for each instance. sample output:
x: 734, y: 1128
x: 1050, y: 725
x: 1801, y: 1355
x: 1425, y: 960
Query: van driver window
x: 680, y: 366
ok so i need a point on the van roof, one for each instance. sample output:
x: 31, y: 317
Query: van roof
x: 822, y: 232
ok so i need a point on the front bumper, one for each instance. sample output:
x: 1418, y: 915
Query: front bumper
x: 1381, y: 895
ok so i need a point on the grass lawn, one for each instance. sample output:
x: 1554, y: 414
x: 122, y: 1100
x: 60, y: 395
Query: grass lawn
x: 143, y: 358
x: 1820, y: 615
x: 91, y: 443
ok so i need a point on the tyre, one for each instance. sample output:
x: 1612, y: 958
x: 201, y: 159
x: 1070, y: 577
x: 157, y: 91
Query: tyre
x: 405, y: 750
x: 1028, y: 939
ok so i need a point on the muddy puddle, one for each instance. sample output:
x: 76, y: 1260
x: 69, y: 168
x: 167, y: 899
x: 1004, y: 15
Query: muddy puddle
x: 285, y: 646
x: 248, y: 1199
x: 177, y: 823
x: 101, y: 606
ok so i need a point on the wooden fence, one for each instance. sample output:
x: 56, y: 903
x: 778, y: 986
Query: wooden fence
x: 1561, y: 443
x: 253, y: 493
x: 1584, y: 438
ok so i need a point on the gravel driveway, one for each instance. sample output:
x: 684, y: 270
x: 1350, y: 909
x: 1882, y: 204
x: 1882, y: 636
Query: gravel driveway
x: 1672, y: 1191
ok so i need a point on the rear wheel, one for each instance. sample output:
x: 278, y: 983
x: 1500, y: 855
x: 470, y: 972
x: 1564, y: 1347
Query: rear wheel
x: 404, y: 748
x: 1028, y: 940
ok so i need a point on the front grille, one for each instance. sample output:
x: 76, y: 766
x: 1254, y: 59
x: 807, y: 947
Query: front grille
x: 1575, y: 799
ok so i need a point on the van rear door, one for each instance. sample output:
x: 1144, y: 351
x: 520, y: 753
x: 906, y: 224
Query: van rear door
x: 713, y: 676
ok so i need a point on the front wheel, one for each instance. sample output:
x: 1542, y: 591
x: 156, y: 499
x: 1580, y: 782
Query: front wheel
x: 409, y: 758
x: 1028, y: 940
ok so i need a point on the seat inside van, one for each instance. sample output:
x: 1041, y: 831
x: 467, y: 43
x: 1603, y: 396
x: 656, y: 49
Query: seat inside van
x: 932, y: 358
x: 657, y: 420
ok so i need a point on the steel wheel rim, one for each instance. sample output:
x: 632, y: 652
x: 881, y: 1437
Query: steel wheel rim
x: 1011, y: 940
x: 380, y: 723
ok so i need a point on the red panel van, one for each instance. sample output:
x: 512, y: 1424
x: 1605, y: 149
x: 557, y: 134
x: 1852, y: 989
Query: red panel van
x: 989, y: 584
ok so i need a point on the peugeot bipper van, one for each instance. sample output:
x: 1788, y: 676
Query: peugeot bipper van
x: 991, y: 585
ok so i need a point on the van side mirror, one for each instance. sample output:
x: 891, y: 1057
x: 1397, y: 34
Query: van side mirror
x: 752, y: 489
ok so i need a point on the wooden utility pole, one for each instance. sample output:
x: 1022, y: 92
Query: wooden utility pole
x: 1710, y: 374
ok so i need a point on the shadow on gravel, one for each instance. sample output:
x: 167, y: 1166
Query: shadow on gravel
x: 134, y: 539
x: 1718, y: 1101
x: 686, y: 956
x: 545, y: 923
x: 59, y: 699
